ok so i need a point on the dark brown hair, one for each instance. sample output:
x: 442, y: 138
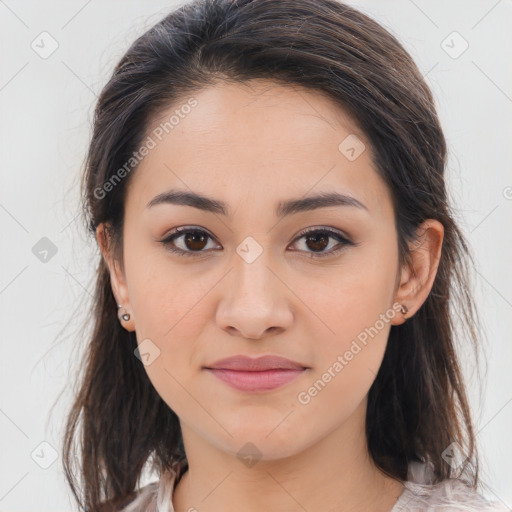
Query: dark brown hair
x: 417, y: 405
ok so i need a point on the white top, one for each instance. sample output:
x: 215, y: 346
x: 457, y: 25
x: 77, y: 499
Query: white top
x: 450, y: 495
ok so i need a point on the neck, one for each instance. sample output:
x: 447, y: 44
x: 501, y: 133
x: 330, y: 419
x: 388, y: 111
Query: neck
x: 334, y: 474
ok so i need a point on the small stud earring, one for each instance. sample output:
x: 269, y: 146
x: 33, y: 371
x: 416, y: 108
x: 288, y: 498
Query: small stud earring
x: 404, y: 309
x: 122, y: 314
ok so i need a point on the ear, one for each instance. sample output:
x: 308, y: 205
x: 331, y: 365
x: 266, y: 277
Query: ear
x: 117, y: 275
x: 418, y: 274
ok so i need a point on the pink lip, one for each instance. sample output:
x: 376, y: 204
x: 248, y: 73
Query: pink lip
x: 256, y: 381
x: 256, y: 374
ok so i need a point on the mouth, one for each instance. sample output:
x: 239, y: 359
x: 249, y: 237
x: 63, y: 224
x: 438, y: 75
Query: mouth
x: 256, y: 381
x: 259, y: 374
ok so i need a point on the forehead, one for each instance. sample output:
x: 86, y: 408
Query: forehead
x: 259, y: 139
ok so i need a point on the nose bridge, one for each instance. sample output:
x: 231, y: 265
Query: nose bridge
x: 253, y: 300
x: 251, y: 276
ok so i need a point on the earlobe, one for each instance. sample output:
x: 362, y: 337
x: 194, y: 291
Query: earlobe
x: 418, y: 274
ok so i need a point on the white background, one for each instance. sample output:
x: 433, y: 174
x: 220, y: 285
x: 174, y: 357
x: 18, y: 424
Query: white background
x: 46, y: 110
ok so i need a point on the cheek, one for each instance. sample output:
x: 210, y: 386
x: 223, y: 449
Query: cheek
x: 169, y: 309
x: 354, y: 304
x: 164, y: 294
x: 346, y: 362
x: 353, y: 296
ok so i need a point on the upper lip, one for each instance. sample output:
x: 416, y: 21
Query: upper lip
x: 250, y: 364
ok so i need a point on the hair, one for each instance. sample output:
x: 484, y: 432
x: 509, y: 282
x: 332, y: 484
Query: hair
x: 417, y: 405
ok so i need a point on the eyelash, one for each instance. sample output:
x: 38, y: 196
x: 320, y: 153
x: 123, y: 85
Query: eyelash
x: 179, y: 232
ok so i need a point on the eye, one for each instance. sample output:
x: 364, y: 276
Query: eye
x: 194, y: 241
x: 318, y: 241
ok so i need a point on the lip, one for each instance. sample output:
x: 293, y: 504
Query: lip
x: 256, y: 364
x: 256, y: 374
x: 256, y: 381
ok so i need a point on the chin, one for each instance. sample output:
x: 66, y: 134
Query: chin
x: 265, y: 442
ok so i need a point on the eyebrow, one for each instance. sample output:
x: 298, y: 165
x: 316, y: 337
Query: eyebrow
x: 283, y: 209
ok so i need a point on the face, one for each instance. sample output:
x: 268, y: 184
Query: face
x: 314, y: 284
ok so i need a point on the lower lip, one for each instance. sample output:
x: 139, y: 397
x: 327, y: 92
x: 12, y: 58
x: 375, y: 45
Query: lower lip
x: 256, y: 381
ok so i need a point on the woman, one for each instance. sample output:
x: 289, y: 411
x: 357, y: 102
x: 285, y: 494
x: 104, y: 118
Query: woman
x: 273, y: 320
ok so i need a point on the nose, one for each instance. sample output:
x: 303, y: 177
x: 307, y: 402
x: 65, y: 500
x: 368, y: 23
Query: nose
x: 255, y: 301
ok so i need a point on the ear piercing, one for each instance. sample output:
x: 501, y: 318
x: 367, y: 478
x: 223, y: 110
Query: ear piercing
x: 122, y: 314
x: 403, y: 309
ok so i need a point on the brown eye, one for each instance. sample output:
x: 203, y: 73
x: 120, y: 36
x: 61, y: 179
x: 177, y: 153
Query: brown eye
x: 195, y: 240
x: 317, y: 240
x: 187, y: 241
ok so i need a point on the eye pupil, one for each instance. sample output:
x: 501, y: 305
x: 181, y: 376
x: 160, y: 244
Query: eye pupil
x: 316, y: 237
x: 191, y: 238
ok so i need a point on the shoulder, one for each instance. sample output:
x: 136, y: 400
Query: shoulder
x: 450, y: 494
x: 156, y: 495
x: 140, y: 501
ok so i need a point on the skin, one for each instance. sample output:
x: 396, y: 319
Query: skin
x: 252, y: 145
